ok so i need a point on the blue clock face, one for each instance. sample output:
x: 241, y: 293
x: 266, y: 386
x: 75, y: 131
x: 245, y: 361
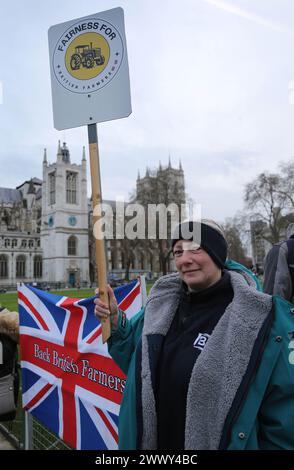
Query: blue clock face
x: 51, y: 221
x: 72, y: 220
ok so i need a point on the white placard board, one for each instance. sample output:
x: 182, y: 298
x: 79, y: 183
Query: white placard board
x: 89, y: 70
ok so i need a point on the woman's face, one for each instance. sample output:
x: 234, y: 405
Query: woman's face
x: 195, y: 266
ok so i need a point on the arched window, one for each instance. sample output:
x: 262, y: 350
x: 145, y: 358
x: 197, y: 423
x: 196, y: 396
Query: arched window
x: 72, y: 246
x: 112, y: 258
x: 71, y: 187
x: 37, y: 266
x: 142, y: 260
x: 151, y: 259
x: 52, y: 188
x: 7, y: 242
x: 21, y: 266
x: 3, y: 266
x: 132, y: 261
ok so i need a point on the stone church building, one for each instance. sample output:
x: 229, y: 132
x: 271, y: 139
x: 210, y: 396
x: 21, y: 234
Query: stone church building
x: 46, y: 234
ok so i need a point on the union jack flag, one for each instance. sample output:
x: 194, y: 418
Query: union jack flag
x: 69, y: 381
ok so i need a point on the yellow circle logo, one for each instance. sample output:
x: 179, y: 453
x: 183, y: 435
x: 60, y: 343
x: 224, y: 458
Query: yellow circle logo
x: 87, y: 56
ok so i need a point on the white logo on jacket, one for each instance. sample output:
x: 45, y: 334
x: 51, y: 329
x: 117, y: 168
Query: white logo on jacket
x: 291, y: 355
x: 201, y: 341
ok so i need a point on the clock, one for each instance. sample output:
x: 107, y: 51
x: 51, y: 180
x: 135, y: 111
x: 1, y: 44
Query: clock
x: 72, y: 220
x: 51, y: 221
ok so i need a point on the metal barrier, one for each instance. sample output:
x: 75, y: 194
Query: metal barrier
x: 26, y: 432
x: 38, y: 437
x: 14, y: 430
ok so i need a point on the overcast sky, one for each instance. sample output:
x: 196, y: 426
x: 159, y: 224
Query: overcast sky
x: 209, y: 84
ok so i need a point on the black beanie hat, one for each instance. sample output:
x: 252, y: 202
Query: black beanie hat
x: 208, y: 237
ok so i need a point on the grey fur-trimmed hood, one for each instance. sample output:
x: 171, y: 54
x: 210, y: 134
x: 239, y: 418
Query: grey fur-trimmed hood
x: 220, y: 368
x: 290, y: 231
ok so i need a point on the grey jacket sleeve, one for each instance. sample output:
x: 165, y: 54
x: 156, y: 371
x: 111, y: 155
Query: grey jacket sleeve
x: 277, y: 278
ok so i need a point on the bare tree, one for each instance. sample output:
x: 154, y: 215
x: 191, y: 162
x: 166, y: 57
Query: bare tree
x: 233, y: 235
x: 287, y: 189
x: 165, y: 186
x: 267, y: 197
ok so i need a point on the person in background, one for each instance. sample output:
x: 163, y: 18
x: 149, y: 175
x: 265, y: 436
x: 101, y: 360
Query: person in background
x: 279, y: 268
x: 207, y: 360
x: 9, y: 377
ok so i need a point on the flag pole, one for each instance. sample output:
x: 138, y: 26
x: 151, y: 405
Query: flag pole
x: 99, y: 240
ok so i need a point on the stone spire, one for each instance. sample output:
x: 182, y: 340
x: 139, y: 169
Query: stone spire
x: 84, y: 154
x: 59, y: 153
x: 45, y: 157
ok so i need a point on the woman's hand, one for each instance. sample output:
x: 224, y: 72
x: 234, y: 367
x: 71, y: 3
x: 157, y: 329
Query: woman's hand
x: 102, y: 311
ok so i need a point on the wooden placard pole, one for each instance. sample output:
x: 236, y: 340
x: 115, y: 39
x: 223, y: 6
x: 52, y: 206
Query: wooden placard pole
x: 99, y: 241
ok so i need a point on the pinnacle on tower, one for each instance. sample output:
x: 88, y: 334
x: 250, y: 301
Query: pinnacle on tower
x: 138, y: 177
x: 169, y: 162
x: 45, y: 156
x: 84, y: 154
x: 59, y: 149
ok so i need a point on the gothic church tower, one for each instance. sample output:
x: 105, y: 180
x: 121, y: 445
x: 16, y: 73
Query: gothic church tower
x: 64, y: 230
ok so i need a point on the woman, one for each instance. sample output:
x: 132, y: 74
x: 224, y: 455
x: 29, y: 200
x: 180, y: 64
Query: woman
x: 207, y: 360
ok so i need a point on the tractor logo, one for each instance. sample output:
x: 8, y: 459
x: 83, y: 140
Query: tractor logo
x: 86, y: 56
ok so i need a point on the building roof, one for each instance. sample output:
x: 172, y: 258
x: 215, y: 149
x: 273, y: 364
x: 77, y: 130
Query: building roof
x: 9, y: 195
x: 33, y: 180
x: 37, y: 180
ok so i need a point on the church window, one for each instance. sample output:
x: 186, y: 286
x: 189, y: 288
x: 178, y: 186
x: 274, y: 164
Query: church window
x: 37, y: 266
x: 23, y: 243
x: 7, y: 242
x: 142, y: 260
x: 72, y: 246
x: 20, y: 266
x: 3, y: 266
x: 31, y: 243
x: 52, y: 188
x: 151, y: 259
x: 14, y: 243
x: 71, y: 187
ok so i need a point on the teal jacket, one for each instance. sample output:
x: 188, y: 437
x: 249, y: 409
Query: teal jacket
x: 261, y: 415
